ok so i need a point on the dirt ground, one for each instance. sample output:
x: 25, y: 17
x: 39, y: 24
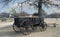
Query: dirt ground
x: 7, y: 31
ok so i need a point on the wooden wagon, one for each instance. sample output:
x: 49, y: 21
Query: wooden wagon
x: 27, y: 24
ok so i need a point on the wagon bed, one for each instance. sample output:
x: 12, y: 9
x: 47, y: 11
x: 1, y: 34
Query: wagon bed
x: 28, y: 23
x: 28, y: 17
x: 33, y: 19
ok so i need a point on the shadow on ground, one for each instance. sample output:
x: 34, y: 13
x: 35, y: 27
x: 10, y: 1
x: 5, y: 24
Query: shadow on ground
x: 8, y: 31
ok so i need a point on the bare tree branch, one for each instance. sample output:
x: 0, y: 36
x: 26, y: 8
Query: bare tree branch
x: 51, y: 3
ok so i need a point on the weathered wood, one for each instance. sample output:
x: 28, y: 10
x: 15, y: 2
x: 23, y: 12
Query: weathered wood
x: 28, y: 17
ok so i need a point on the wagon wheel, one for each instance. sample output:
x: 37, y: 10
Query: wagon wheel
x: 15, y: 28
x: 26, y: 29
x: 44, y: 27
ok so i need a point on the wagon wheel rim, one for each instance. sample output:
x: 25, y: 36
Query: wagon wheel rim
x: 16, y: 29
x: 43, y: 28
x: 25, y: 31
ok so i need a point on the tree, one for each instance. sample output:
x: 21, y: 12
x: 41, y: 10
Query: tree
x: 13, y: 12
x: 43, y: 13
x: 38, y: 5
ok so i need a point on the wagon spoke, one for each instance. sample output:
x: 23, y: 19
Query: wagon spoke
x: 16, y: 29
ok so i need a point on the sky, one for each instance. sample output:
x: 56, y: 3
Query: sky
x: 26, y: 8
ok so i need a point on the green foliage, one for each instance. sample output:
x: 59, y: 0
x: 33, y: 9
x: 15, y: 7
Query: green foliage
x: 13, y: 12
